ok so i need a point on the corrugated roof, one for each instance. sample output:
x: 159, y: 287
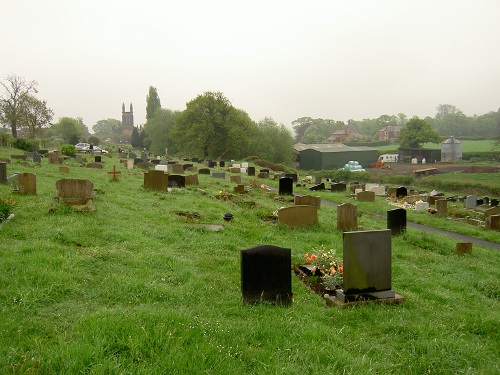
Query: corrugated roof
x: 330, y: 147
x: 451, y: 140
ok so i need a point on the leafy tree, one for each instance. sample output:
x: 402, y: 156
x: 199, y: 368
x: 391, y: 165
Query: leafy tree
x: 69, y: 129
x: 211, y: 127
x: 452, y: 121
x: 300, y: 126
x: 152, y: 103
x: 12, y: 103
x: 35, y: 115
x: 136, y: 140
x: 272, y: 142
x: 159, y: 131
x: 108, y: 127
x: 416, y: 132
x: 93, y: 140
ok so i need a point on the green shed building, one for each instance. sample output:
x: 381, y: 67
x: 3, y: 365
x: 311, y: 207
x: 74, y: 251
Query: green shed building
x: 324, y: 156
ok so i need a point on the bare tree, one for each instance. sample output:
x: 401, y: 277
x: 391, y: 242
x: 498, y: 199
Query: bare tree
x: 35, y: 115
x: 17, y: 89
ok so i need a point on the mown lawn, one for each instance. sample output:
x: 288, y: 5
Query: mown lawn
x: 137, y: 288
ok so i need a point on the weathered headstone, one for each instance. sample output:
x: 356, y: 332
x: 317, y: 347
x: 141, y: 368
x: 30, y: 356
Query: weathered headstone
x: 186, y: 166
x: 27, y: 183
x: 236, y: 179
x: 75, y: 192
x: 263, y: 175
x: 178, y: 168
x: 307, y: 200
x: 298, y: 216
x: 494, y: 202
x: 3, y: 172
x: 251, y: 171
x: 285, y: 186
x: 463, y: 248
x: 98, y: 159
x: 156, y: 180
x: 191, y: 179
x: 441, y: 207
x: 492, y: 211
x: 391, y: 192
x: 347, y: 217
x: 130, y: 164
x: 471, y: 202
x: 56, y: 159
x: 203, y: 171
x: 493, y: 222
x: 177, y: 180
x: 95, y: 165
x: 378, y: 190
x: 239, y: 189
x: 212, y: 164
x: 318, y: 187
x: 338, y: 187
x: 266, y: 274
x: 64, y: 169
x: 421, y: 206
x: 160, y: 167
x: 37, y: 158
x: 79, y: 159
x: 367, y: 266
x: 218, y: 175
x: 365, y: 196
x: 396, y: 221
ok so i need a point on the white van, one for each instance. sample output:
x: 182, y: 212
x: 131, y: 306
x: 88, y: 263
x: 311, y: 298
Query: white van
x: 389, y: 158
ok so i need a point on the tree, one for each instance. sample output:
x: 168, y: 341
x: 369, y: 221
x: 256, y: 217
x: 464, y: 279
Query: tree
x: 211, y: 127
x: 107, y: 127
x: 152, y: 103
x: 11, y: 104
x: 159, y: 131
x: 416, y: 132
x: 34, y: 115
x: 69, y: 129
x: 272, y: 142
x: 136, y: 140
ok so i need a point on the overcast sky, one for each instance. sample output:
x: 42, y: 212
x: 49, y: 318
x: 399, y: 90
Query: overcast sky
x: 281, y: 59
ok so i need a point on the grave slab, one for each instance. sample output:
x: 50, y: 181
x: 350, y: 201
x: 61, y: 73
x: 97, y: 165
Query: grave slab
x: 298, y: 216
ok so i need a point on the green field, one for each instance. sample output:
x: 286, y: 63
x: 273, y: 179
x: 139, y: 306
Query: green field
x: 140, y: 286
x: 467, y: 146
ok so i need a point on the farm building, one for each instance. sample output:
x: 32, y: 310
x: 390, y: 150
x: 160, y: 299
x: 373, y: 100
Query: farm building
x: 333, y: 155
x: 430, y: 155
x: 451, y: 150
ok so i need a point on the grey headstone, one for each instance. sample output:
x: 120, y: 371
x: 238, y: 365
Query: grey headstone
x: 266, y: 274
x: 37, y: 158
x: 218, y: 175
x: 471, y: 202
x: 203, y: 171
x: 338, y: 187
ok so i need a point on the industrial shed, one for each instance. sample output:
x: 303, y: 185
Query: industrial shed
x: 333, y: 155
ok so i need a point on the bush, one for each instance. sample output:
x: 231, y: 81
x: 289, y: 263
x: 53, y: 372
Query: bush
x: 68, y: 149
x: 5, y: 139
x: 25, y: 144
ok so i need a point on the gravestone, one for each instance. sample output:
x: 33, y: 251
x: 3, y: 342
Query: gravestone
x: 137, y: 161
x: 160, y: 167
x: 55, y: 159
x: 493, y: 222
x: 298, y: 216
x: 176, y: 180
x: 203, y: 171
x: 98, y: 159
x: 471, y: 202
x: 64, y: 170
x: 186, y: 166
x: 338, y: 187
x: 370, y: 186
x: 144, y: 158
x: 130, y: 164
x: 494, y: 202
x: 156, y: 180
x: 365, y: 196
x: 401, y: 192
x: 263, y: 175
x: 218, y: 175
x: 236, y: 179
x: 194, y: 160
x: 367, y: 266
x: 441, y: 207
x: 235, y: 169
x: 244, y: 165
x: 222, y: 164
x: 26, y: 183
x: 177, y: 168
x: 486, y: 201
x: 212, y: 164
x: 3, y: 172
x: 75, y: 192
x: 192, y: 169
x: 318, y: 187
x: 79, y: 159
x: 378, y: 190
x: 37, y: 158
x: 5, y: 160
x: 251, y: 171
x: 421, y: 206
x: 431, y: 199
x: 191, y: 179
x: 144, y: 165
x: 347, y: 217
x: 239, y: 189
x: 492, y: 211
x: 293, y: 176
x: 396, y: 221
x: 285, y: 186
x: 265, y: 170
x: 155, y: 161
x: 391, y: 192
x: 95, y: 165
x: 355, y: 186
x: 463, y: 248
x: 266, y: 274
x: 307, y: 200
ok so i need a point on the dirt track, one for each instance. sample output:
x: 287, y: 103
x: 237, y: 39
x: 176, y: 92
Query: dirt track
x: 406, y: 168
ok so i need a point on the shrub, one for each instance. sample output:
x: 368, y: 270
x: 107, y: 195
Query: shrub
x: 25, y: 144
x: 68, y: 149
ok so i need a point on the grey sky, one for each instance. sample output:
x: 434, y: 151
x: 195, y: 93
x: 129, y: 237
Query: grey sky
x: 280, y: 59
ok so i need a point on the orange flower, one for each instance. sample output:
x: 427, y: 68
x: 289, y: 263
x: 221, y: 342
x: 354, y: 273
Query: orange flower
x: 341, y: 269
x: 308, y: 260
x: 306, y: 255
x: 332, y: 270
x: 314, y: 257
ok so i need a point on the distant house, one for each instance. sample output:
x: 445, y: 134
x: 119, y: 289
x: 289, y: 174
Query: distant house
x: 389, y: 133
x: 343, y: 135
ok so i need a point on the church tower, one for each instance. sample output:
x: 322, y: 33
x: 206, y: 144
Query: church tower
x: 127, y: 117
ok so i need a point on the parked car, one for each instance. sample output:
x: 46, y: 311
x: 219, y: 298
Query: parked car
x: 81, y: 146
x: 95, y: 149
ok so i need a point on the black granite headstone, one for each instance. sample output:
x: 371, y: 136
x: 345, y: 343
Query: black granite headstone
x: 251, y: 171
x: 155, y: 161
x: 486, y: 201
x: 338, y: 187
x: 98, y: 159
x: 396, y: 221
x: 203, y: 171
x: 494, y: 202
x: 186, y: 166
x: 194, y: 160
x: 264, y: 170
x: 318, y: 187
x: 176, y: 180
x: 3, y: 173
x: 266, y: 274
x: 285, y: 186
x: 401, y: 192
x: 222, y: 164
x: 212, y: 164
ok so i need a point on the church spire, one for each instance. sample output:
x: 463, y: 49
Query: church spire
x: 131, y: 108
x: 123, y: 108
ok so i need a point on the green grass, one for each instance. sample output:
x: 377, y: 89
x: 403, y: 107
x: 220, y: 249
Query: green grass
x: 467, y: 146
x: 136, y: 288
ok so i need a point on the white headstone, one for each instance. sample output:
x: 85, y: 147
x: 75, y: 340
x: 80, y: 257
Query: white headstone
x: 244, y: 165
x: 163, y: 168
x: 379, y: 190
x: 421, y: 206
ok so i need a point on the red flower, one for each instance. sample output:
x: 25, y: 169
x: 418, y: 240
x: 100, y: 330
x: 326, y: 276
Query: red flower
x: 332, y: 270
x: 314, y: 257
x: 341, y: 269
x: 308, y: 260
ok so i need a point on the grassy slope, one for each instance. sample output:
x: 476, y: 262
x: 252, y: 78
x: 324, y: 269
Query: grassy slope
x: 135, y: 288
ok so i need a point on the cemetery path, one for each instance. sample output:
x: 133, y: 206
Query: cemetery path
x: 426, y: 228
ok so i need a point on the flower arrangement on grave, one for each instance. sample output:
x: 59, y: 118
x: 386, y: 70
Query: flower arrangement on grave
x: 253, y: 183
x: 6, y: 207
x: 326, y: 267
